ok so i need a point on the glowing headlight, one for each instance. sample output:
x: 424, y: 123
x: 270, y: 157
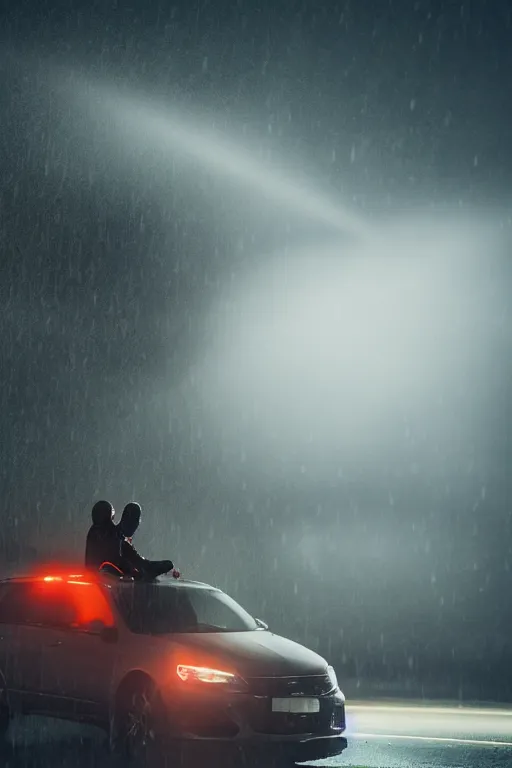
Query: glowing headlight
x: 331, y: 674
x: 191, y: 674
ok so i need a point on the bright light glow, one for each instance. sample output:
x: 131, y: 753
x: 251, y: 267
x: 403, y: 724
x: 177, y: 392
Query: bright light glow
x: 189, y: 673
x: 405, y: 722
x: 69, y: 580
x: 91, y: 604
x: 332, y: 359
x: 431, y: 710
x: 144, y: 125
x: 434, y: 739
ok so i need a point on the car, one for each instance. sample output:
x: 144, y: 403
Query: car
x: 159, y: 664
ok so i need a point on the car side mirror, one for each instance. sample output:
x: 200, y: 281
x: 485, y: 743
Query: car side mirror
x: 109, y: 635
x: 261, y: 624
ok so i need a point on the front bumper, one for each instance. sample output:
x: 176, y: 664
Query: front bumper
x: 249, y: 719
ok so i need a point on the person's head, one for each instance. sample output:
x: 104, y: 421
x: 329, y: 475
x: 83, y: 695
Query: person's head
x: 130, y: 519
x: 103, y: 513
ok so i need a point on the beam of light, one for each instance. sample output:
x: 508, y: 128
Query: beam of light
x: 148, y: 126
x: 434, y: 739
x: 436, y: 724
x: 426, y: 709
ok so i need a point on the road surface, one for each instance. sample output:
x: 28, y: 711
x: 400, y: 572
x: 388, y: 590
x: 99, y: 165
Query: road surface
x: 426, y: 736
x: 380, y: 736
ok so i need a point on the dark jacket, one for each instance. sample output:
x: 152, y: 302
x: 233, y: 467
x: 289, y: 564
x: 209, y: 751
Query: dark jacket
x: 102, y: 537
x: 126, y: 557
x: 133, y: 564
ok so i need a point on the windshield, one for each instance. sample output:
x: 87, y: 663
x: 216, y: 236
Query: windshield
x: 152, y: 610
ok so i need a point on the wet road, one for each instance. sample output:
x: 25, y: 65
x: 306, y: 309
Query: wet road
x: 403, y: 736
x: 380, y: 736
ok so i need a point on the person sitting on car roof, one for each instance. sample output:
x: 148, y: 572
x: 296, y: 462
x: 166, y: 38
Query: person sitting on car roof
x: 102, y: 537
x: 130, y: 562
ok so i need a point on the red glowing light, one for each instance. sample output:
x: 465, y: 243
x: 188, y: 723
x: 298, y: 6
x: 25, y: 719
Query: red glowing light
x: 89, y: 604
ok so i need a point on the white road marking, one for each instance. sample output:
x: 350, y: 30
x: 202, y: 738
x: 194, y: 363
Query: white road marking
x: 425, y: 710
x: 436, y: 739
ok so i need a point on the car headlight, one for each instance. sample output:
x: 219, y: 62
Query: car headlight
x: 331, y: 674
x: 191, y: 674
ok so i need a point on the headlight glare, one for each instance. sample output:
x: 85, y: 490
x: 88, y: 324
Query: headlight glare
x: 192, y: 674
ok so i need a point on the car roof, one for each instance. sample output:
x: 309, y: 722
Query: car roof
x: 161, y: 582
x: 102, y: 579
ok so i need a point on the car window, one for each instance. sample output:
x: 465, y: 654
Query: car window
x: 25, y: 603
x: 216, y: 611
x: 60, y: 603
x: 15, y: 605
x: 91, y: 604
x: 150, y: 609
x: 54, y: 608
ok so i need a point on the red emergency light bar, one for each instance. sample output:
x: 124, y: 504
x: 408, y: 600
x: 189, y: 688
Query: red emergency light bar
x: 71, y: 579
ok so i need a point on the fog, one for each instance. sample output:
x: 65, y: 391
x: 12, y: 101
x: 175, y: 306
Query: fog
x: 337, y: 360
x: 284, y: 328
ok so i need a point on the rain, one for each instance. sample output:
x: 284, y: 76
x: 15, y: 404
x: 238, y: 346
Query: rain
x: 256, y: 277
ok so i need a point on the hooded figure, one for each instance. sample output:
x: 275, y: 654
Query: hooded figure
x: 130, y: 562
x: 102, y: 536
x: 130, y: 520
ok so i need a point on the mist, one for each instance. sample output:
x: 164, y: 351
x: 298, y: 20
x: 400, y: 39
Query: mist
x: 298, y: 364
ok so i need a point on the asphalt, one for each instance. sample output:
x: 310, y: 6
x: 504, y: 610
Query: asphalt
x: 379, y: 736
x: 407, y: 735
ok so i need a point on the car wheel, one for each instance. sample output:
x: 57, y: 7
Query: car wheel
x: 137, y: 727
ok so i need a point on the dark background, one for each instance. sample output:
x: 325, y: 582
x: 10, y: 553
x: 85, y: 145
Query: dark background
x: 107, y: 279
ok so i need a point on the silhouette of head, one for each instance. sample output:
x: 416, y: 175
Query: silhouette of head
x: 103, y: 513
x: 130, y: 519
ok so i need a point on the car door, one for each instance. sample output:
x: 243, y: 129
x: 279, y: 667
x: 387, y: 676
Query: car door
x: 78, y: 664
x: 21, y: 642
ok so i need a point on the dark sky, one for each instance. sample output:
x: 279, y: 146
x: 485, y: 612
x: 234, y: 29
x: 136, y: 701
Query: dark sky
x: 106, y: 283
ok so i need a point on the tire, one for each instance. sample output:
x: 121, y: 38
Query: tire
x: 137, y: 728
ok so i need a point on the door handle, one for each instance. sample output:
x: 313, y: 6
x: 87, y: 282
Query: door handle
x: 56, y: 644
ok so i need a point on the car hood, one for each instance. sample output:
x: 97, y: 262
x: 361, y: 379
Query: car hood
x: 256, y: 654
